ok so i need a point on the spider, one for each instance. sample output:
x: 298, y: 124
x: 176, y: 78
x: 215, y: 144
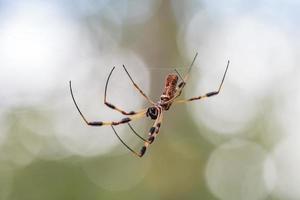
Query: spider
x: 172, y: 90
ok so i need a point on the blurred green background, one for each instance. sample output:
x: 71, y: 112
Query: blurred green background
x: 240, y: 145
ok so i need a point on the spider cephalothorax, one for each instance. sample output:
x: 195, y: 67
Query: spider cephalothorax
x: 171, y: 91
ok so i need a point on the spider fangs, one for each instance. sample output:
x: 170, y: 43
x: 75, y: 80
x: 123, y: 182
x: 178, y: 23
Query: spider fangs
x: 172, y: 90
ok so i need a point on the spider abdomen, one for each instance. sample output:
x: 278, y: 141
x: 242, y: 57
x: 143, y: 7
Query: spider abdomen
x: 169, y: 91
x: 170, y: 87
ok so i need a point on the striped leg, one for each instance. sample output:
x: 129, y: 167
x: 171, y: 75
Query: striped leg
x: 114, y: 123
x: 111, y: 105
x: 138, y: 88
x: 209, y: 94
x: 153, y: 130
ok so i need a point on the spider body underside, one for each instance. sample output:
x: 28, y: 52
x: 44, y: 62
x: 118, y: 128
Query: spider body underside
x: 172, y: 90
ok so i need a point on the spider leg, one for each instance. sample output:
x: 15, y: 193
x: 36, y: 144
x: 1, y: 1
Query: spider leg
x: 152, y: 134
x: 130, y: 149
x: 111, y: 105
x: 138, y: 88
x: 209, y: 94
x: 136, y: 132
x: 102, y: 123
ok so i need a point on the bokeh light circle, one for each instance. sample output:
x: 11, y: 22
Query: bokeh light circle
x: 254, y: 68
x: 236, y: 170
x: 36, y: 40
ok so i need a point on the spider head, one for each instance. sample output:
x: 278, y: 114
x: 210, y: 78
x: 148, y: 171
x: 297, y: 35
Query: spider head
x: 152, y: 112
